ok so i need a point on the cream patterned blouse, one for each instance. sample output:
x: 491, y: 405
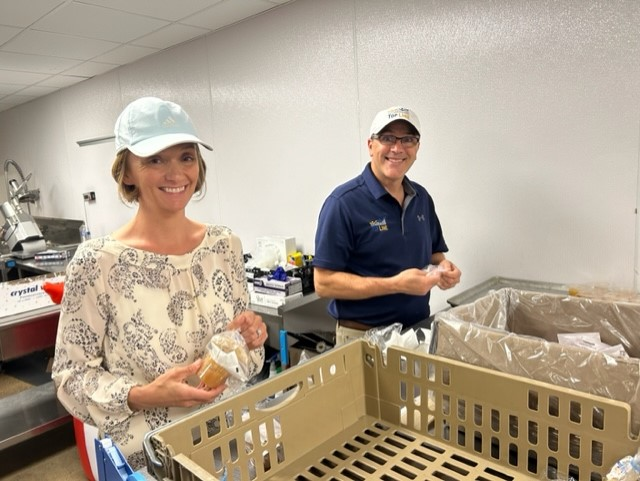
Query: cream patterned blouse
x: 128, y: 315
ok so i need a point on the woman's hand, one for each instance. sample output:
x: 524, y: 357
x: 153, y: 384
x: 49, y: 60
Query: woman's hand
x: 171, y: 389
x: 251, y: 327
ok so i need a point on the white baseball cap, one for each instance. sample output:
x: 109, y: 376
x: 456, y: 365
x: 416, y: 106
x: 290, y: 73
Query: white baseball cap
x: 148, y: 125
x: 385, y: 117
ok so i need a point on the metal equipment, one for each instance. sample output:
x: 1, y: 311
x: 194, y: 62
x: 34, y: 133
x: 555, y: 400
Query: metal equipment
x: 20, y: 231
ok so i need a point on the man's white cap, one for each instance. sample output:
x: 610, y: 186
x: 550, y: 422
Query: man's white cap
x: 148, y: 125
x: 385, y: 117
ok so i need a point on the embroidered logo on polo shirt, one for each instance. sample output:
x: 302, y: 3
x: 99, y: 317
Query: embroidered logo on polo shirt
x: 379, y: 225
x: 421, y: 218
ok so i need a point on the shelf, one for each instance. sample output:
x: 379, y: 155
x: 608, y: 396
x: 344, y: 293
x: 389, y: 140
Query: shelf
x: 289, y: 306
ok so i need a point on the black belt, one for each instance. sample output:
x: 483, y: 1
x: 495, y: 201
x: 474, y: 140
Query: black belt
x: 359, y: 326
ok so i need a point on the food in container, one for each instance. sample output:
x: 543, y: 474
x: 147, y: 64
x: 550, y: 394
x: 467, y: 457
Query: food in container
x: 227, y: 355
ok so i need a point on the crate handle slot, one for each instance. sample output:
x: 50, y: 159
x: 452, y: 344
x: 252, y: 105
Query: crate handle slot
x: 280, y: 399
x: 151, y: 453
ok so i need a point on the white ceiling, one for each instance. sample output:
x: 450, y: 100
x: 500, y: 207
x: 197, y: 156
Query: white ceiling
x: 46, y: 45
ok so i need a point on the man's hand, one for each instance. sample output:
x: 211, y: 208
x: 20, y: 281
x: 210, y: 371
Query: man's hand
x: 449, y: 275
x: 416, y: 282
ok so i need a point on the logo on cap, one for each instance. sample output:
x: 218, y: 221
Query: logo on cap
x: 400, y: 113
x: 169, y: 122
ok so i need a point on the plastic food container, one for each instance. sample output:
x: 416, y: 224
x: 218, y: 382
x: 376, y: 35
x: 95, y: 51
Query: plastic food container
x: 227, y: 355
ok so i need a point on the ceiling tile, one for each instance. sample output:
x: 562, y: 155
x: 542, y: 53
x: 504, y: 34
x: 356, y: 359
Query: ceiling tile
x: 125, y: 54
x: 169, y: 36
x: 7, y: 33
x: 6, y: 89
x: 61, y: 81
x: 13, y: 100
x: 35, y: 63
x: 9, y: 102
x: 22, y: 14
x: 17, y: 77
x: 38, y: 90
x: 171, y: 11
x: 90, y: 69
x: 57, y: 45
x: 21, y: 98
x: 97, y: 22
x: 227, y: 12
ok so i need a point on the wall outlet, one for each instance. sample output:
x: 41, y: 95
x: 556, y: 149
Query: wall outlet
x: 89, y: 196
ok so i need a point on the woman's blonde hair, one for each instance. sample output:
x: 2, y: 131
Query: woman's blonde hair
x: 130, y: 193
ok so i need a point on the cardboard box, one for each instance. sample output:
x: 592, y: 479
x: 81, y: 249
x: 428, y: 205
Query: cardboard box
x: 348, y: 415
x: 516, y: 332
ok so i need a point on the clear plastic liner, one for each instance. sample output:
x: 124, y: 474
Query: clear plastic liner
x: 604, y: 291
x: 516, y: 331
x: 392, y: 335
x: 627, y: 469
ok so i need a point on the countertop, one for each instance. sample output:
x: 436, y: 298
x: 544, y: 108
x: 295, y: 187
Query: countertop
x: 37, y: 267
x: 498, y: 282
x: 29, y: 266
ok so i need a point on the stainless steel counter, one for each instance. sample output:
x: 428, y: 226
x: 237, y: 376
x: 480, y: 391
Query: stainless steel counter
x: 29, y: 267
x: 30, y: 413
x: 11, y: 263
x: 497, y: 282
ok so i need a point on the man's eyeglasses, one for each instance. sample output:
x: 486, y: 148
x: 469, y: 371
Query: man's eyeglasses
x: 388, y: 139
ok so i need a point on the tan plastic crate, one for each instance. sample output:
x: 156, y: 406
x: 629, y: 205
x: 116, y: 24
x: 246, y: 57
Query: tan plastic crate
x: 346, y: 416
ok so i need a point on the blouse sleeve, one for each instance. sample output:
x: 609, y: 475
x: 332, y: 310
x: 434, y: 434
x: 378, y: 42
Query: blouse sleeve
x: 88, y: 391
x: 241, y: 297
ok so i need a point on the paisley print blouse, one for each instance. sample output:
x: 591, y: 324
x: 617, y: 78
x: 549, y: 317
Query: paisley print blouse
x: 128, y: 315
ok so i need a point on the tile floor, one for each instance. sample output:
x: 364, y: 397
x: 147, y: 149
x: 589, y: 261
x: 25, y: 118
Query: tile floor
x: 51, y: 456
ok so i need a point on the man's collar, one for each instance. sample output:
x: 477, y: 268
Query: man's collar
x: 377, y: 189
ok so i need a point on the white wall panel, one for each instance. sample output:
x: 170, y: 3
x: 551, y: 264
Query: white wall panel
x: 285, y: 117
x: 530, y: 113
x: 38, y: 146
x: 89, y: 110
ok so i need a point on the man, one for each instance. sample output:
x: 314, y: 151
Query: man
x: 378, y: 233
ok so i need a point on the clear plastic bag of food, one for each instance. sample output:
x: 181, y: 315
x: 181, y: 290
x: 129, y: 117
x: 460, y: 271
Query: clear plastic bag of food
x: 226, y: 356
x: 626, y: 469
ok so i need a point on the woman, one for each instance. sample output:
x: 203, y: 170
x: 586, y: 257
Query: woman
x: 141, y: 304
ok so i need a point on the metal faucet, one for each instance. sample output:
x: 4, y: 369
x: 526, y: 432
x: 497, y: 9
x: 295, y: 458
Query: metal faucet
x: 19, y: 193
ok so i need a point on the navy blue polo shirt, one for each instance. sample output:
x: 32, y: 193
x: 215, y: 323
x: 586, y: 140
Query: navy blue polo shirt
x: 363, y: 230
